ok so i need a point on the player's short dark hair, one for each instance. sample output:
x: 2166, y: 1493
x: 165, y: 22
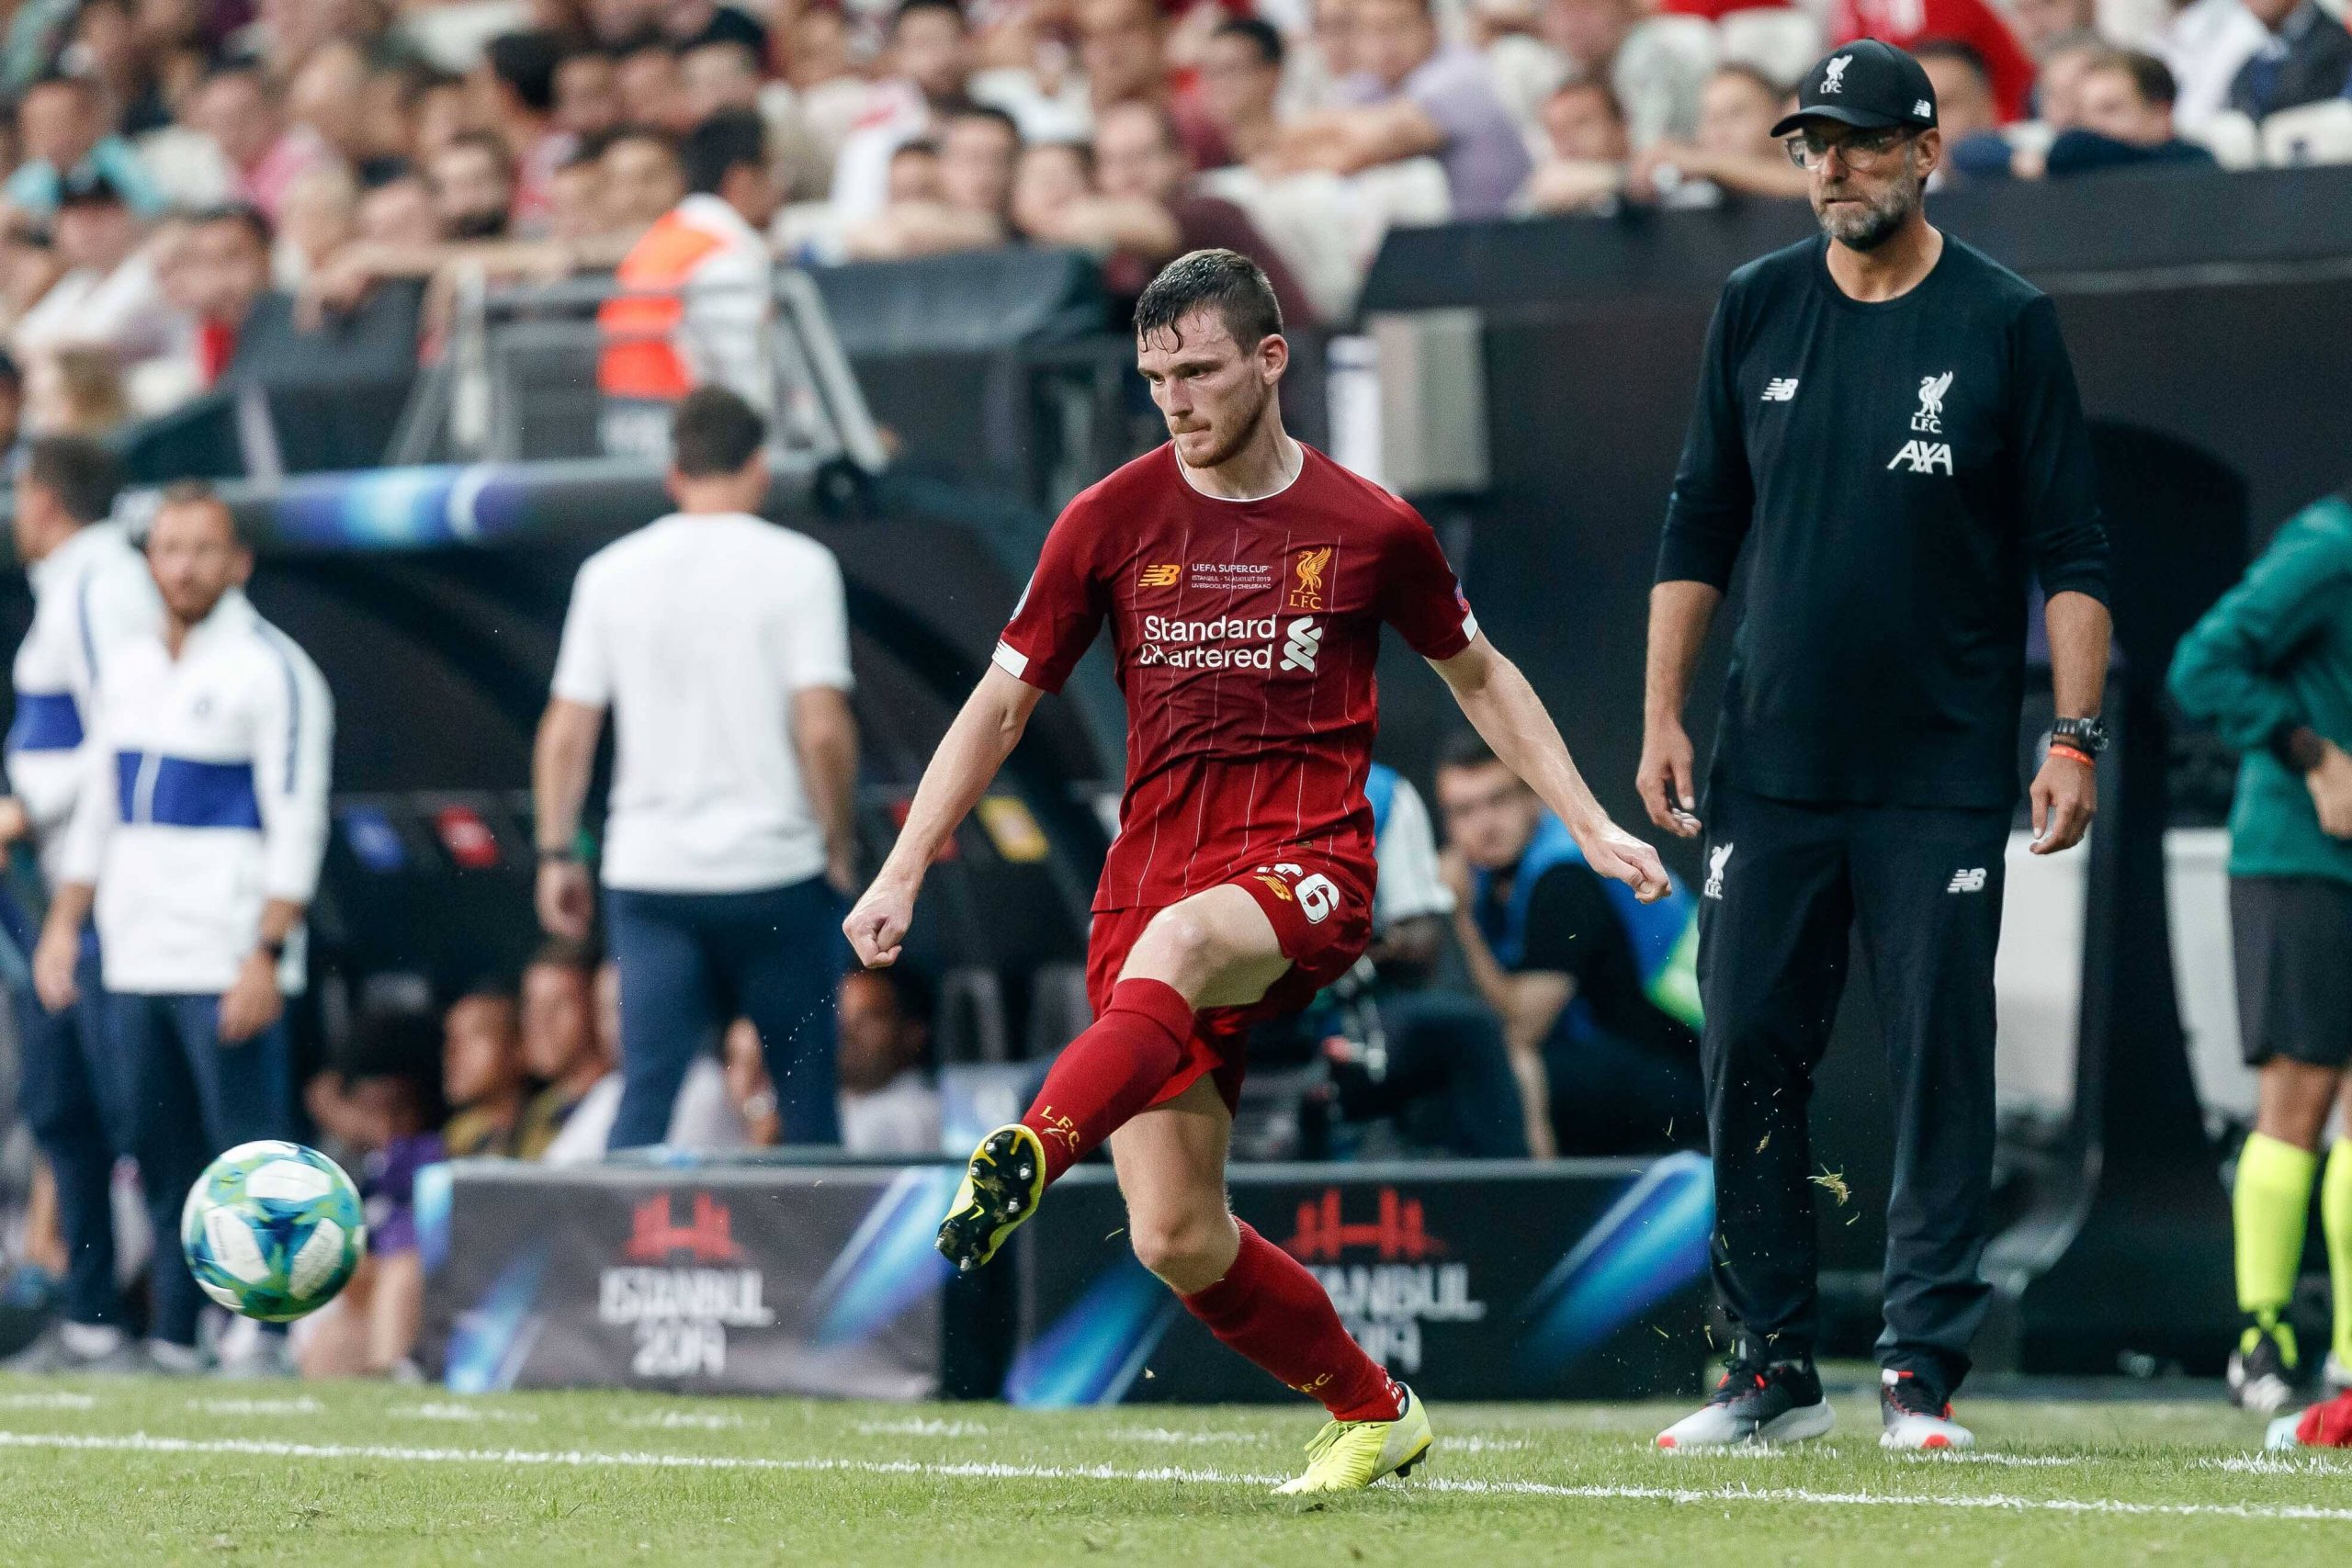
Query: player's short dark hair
x: 245, y: 215
x: 199, y: 492
x: 1466, y: 748
x: 82, y: 474
x: 915, y: 147
x: 1956, y: 49
x: 909, y: 7
x: 715, y: 433
x: 490, y: 144
x: 1224, y: 281
x: 1599, y: 89
x: 1262, y: 35
x: 650, y: 134
x: 527, y: 61
x: 2150, y: 78
x: 992, y: 115
x: 721, y: 145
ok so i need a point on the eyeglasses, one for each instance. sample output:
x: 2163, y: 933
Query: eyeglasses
x: 1858, y: 149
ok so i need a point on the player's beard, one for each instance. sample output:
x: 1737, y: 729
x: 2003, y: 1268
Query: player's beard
x: 1236, y: 435
x: 1874, y: 222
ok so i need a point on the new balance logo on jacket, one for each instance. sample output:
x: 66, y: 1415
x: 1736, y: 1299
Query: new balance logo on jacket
x: 1969, y: 881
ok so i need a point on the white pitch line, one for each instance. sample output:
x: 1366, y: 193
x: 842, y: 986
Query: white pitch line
x: 144, y: 1442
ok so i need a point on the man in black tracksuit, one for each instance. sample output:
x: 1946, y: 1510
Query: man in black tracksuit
x: 1887, y: 425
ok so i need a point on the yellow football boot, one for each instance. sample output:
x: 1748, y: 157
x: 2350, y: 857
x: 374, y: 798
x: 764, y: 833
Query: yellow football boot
x: 1001, y: 1190
x: 1347, y: 1456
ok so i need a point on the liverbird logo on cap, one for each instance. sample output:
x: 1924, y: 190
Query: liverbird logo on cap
x: 1834, y: 82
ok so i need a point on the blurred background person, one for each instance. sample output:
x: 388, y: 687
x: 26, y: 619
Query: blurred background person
x: 889, y: 1103
x: 201, y: 891
x: 2270, y: 666
x: 483, y: 1076
x: 1598, y: 994
x: 729, y: 840
x: 561, y: 1049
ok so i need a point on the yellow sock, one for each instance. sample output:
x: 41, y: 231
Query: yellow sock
x: 2271, y: 1204
x: 2335, y: 1224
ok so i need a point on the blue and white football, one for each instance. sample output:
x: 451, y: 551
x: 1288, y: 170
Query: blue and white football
x: 273, y: 1229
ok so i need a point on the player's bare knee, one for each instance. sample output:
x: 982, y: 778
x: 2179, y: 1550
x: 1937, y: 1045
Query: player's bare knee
x: 1187, y: 1248
x: 1180, y: 945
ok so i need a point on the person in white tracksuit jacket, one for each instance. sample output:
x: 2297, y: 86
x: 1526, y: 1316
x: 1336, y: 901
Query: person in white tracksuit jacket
x: 91, y: 591
x: 198, y: 837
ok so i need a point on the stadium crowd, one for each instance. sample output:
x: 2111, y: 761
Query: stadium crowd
x: 191, y: 185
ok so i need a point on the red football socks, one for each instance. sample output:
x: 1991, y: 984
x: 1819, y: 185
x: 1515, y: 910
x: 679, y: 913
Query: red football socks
x: 1273, y: 1311
x: 1110, y: 1072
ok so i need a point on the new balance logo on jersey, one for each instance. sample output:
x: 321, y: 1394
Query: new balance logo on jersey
x: 1780, y: 389
x: 1923, y: 457
x: 1969, y: 881
x: 1303, y: 643
x: 1834, y: 82
x: 1923, y: 108
x: 1930, y: 417
x: 1717, y: 858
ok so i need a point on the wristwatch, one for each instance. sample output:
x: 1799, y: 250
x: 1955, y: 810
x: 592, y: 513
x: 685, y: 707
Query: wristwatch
x: 2084, y: 735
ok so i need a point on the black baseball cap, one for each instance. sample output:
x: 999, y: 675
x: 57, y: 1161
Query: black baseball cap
x: 1868, y: 84
x: 90, y: 188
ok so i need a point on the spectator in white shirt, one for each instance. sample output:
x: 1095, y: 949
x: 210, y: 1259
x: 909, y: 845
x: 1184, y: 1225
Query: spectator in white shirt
x: 888, y: 1104
x: 110, y: 298
x: 197, y: 838
x: 720, y: 643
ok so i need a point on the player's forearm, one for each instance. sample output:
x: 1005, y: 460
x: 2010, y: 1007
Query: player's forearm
x: 976, y: 746
x: 1680, y: 613
x: 2080, y: 628
x: 561, y: 760
x: 824, y: 735
x: 69, y: 906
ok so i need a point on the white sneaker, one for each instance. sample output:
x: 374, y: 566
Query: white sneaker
x: 1778, y: 1402
x: 1917, y: 1416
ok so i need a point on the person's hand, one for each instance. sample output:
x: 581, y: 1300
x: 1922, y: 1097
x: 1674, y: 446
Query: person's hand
x: 1642, y: 175
x: 1668, y: 765
x: 1617, y: 855
x: 13, y: 822
x: 567, y: 899
x: 2065, y: 798
x: 54, y: 959
x: 253, y: 1001
x: 876, y: 928
x: 2331, y: 787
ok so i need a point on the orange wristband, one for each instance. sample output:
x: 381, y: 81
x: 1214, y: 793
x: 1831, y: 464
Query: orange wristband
x: 2059, y: 748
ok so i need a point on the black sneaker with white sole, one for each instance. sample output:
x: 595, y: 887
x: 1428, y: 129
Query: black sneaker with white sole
x: 2262, y: 1371
x: 1758, y: 1401
x: 1914, y: 1414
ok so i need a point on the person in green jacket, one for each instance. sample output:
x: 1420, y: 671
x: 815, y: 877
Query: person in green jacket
x: 2270, y: 666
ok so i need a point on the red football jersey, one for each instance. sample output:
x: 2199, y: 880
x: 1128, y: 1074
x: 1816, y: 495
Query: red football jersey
x: 1246, y: 633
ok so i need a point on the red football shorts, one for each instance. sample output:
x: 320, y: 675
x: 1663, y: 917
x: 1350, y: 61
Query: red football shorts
x: 1322, y: 918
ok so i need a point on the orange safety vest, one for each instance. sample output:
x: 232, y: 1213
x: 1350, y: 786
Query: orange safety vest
x: 639, y: 358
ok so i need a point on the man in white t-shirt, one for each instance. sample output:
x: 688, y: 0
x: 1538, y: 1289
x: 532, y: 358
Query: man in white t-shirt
x: 720, y: 643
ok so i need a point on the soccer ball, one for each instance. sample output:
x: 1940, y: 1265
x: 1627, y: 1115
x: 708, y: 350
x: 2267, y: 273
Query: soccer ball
x: 273, y: 1229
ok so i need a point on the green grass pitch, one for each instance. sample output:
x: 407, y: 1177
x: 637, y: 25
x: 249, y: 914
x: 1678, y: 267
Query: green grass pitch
x: 134, y: 1472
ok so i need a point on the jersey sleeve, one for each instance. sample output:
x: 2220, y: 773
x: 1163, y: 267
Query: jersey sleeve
x: 583, y: 671
x: 2057, y: 489
x: 1715, y: 494
x: 293, y: 771
x: 817, y: 633
x: 1419, y: 595
x: 1061, y: 609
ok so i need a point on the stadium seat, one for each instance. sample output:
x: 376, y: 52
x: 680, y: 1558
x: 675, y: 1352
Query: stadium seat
x: 2233, y: 139
x: 2316, y: 133
x: 1779, y: 42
